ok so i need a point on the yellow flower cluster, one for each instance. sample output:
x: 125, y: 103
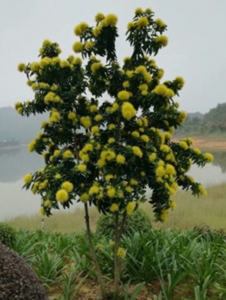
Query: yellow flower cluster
x: 162, y: 39
x: 62, y: 195
x: 163, y: 90
x: 143, y: 71
x: 130, y: 208
x: 128, y: 111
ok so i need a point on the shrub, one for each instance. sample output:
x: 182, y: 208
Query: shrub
x: 139, y: 221
x: 7, y: 235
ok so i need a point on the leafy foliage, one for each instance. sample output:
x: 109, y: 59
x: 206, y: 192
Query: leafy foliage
x: 7, y: 235
x: 139, y: 221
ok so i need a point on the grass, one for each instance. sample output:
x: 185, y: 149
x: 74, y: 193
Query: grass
x: 191, y: 211
x: 160, y: 264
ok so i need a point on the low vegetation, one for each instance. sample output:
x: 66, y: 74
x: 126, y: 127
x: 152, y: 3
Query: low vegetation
x: 158, y: 264
x: 190, y: 211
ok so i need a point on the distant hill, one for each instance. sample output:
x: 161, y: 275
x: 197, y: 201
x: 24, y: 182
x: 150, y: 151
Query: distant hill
x: 14, y: 126
x: 213, y: 122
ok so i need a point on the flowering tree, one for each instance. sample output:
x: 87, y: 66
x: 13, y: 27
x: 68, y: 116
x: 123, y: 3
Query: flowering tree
x: 107, y: 153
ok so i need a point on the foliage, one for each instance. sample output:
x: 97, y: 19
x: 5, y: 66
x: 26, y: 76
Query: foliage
x: 180, y: 261
x: 139, y: 221
x: 107, y: 153
x: 7, y: 235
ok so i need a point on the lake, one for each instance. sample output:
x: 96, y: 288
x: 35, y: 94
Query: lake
x: 16, y: 163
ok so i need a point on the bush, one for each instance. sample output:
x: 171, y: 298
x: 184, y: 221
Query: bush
x: 139, y: 221
x: 7, y: 235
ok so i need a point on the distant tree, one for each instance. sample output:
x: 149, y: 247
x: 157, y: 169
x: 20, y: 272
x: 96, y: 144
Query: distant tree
x: 107, y: 154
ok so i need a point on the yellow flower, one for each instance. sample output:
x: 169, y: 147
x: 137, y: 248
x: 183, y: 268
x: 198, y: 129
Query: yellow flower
x: 133, y: 182
x: 137, y: 151
x: 162, y: 90
x: 71, y: 115
x: 111, y: 126
x: 93, y: 190
x: 21, y: 67
x: 19, y: 110
x: 86, y: 122
x: 208, y: 157
x: 145, y: 138
x: 17, y: 105
x: 143, y: 22
x: 196, y: 151
x: 34, y: 66
x: 28, y: 178
x: 123, y: 95
x: 180, y: 82
x: 62, y: 195
x: 130, y: 208
x: 135, y: 134
x: 101, y: 163
x: 88, y: 147
x: 183, y: 145
x: 160, y: 171
x: 111, y: 140
x: 108, y: 177
x: 148, y: 10
x: 167, y: 135
x: 120, y: 159
x: 164, y: 215
x: 170, y: 169
x: 126, y: 84
x: 138, y: 11
x: 31, y: 146
x: 57, y: 176
x: 162, y: 39
x: 110, y: 20
x: 202, y: 190
x: 173, y: 205
x: 82, y: 167
x: 80, y: 28
x: 68, y: 154
x: 77, y: 47
x: 160, y: 73
x: 68, y: 186
x: 97, y: 30
x: 111, y: 192
x: 99, y: 17
x: 84, y: 197
x: 128, y: 111
x: 114, y: 207
x: 182, y: 116
x: 160, y: 23
x: 98, y: 118
x: 56, y: 153
x: 121, y: 252
x: 115, y: 107
x: 77, y: 61
x: 47, y: 203
x: 143, y: 87
x: 93, y: 108
x: 42, y: 211
x: 85, y: 157
x: 95, y: 129
x: 130, y: 25
x: 129, y: 189
x: 64, y: 64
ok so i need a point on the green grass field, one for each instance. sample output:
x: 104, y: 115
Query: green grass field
x: 191, y: 211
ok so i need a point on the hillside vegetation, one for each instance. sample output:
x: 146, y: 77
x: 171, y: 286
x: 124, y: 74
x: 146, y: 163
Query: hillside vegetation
x: 211, y: 123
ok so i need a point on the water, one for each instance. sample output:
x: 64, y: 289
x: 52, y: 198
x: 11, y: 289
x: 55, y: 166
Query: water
x: 14, y: 164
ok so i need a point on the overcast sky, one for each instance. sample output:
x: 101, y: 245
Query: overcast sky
x: 196, y: 49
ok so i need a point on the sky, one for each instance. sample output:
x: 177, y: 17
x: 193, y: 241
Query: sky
x: 196, y: 49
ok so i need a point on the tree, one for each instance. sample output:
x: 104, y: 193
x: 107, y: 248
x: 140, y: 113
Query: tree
x: 107, y: 153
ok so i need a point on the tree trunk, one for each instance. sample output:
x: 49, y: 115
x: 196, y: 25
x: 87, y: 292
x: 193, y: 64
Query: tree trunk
x: 92, y: 251
x: 117, y: 260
